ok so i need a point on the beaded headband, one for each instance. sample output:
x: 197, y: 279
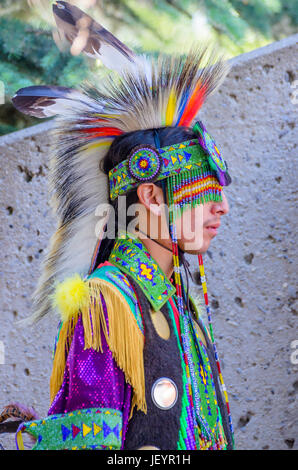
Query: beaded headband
x: 146, y: 163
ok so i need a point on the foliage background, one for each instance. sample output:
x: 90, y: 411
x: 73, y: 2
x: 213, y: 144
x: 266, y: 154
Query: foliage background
x: 30, y: 56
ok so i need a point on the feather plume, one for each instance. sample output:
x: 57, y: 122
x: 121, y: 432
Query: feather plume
x: 47, y: 101
x: 18, y: 411
x: 171, y: 107
x: 88, y: 36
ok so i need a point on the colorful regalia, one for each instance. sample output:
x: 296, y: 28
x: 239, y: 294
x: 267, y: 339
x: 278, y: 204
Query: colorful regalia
x: 134, y: 366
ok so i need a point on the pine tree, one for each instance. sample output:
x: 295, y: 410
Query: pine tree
x: 30, y: 57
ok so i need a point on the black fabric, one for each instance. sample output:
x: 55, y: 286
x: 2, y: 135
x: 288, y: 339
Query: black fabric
x: 158, y: 428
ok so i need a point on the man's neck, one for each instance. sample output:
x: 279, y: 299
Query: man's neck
x: 161, y: 255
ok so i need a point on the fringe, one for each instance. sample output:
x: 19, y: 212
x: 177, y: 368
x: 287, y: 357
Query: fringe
x: 62, y: 349
x: 125, y: 339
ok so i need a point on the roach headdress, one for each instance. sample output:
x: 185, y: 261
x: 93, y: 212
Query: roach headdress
x: 138, y: 93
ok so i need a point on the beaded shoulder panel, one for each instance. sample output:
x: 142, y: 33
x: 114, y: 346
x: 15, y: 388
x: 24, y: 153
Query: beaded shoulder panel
x: 117, y: 278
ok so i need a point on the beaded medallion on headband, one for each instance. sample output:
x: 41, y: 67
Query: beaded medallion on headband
x: 144, y: 163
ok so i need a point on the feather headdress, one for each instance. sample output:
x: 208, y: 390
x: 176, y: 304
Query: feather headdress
x: 146, y: 94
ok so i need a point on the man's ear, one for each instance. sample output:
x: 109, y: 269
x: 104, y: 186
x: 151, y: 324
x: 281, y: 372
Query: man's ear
x: 151, y: 196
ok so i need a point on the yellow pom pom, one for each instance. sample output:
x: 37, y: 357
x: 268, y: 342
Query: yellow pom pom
x: 71, y: 296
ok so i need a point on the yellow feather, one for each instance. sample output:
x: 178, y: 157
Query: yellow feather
x: 71, y: 296
x: 171, y: 108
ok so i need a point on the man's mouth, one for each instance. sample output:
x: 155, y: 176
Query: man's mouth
x: 212, y: 229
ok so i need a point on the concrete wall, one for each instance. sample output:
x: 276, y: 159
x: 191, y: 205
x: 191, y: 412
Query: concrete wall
x: 251, y: 266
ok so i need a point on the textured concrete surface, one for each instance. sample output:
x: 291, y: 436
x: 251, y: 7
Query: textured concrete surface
x: 251, y: 266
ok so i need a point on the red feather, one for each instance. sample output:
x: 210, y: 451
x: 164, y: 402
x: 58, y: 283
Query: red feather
x: 102, y: 131
x: 194, y: 104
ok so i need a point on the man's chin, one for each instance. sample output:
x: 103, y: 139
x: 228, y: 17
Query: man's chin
x: 192, y: 249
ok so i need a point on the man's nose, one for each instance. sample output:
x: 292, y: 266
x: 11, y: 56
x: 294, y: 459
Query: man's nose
x: 221, y: 207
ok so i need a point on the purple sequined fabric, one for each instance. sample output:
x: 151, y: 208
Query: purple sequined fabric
x: 92, y: 379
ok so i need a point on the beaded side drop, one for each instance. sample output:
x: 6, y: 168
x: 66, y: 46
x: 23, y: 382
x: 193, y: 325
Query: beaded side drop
x: 207, y: 436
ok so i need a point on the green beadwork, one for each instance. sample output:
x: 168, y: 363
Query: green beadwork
x: 215, y: 159
x: 214, y: 418
x: 190, y: 189
x: 132, y: 257
x: 203, y: 374
x: 175, y: 158
x: 93, y: 428
x: 183, y: 418
x: 114, y: 275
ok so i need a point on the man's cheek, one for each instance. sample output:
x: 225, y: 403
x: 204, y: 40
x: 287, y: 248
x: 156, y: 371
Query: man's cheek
x: 190, y: 228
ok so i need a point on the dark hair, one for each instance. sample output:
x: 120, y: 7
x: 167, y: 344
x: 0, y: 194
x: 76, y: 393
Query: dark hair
x: 120, y: 150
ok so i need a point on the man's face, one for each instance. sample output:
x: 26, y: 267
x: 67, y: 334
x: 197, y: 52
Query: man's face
x: 197, y: 227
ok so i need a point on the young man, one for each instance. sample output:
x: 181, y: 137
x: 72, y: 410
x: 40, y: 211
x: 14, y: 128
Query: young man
x: 134, y: 366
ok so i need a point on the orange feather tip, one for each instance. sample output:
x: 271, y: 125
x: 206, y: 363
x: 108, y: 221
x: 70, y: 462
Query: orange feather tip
x: 194, y: 105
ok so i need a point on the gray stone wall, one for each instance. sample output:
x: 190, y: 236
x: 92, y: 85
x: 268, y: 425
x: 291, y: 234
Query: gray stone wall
x: 251, y: 266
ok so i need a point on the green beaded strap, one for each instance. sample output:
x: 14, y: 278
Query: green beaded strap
x: 92, y: 428
x: 131, y: 256
x: 149, y: 164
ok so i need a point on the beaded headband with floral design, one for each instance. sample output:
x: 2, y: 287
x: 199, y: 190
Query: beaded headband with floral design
x: 200, y: 157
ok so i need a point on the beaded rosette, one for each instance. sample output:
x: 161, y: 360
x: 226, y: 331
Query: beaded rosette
x: 144, y: 163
